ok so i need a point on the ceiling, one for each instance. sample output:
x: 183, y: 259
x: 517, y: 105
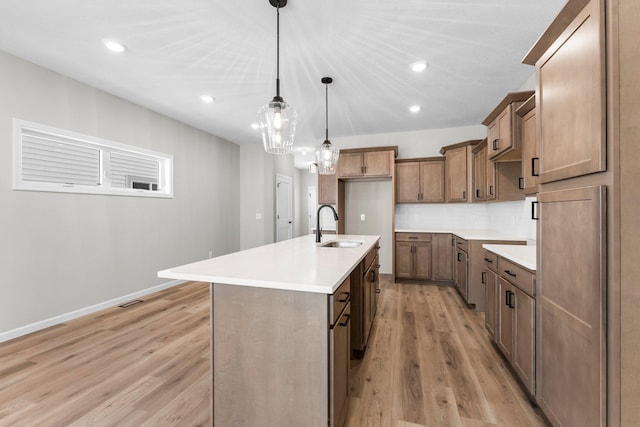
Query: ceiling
x: 179, y: 50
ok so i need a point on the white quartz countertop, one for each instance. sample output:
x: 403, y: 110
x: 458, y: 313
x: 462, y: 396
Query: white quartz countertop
x: 524, y: 255
x: 470, y: 234
x: 297, y: 264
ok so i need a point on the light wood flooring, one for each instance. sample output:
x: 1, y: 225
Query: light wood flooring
x: 429, y: 363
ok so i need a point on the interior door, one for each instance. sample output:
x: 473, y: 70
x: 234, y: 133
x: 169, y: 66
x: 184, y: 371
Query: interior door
x: 284, y: 208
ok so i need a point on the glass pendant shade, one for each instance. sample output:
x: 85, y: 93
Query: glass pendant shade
x: 277, y: 121
x: 327, y: 158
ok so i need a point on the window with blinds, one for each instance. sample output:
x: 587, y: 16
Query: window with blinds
x: 50, y: 159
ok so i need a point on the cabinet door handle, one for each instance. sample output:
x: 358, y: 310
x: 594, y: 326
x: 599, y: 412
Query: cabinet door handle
x: 511, y: 295
x: 347, y: 297
x: 373, y: 275
x: 495, y: 144
x: 377, y: 291
x: 533, y: 166
x: 477, y: 193
x: 464, y: 195
x: 521, y: 183
x: 510, y: 273
x: 533, y: 210
x: 491, y: 190
x: 484, y: 278
x: 506, y: 298
x: 459, y: 260
x: 346, y: 322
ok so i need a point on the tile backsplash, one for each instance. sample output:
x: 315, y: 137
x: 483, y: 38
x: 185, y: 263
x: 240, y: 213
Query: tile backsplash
x: 507, y: 217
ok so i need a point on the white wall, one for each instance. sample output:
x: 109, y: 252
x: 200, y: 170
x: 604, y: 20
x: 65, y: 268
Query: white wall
x: 63, y: 252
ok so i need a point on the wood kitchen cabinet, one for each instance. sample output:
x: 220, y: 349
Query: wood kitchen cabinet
x: 461, y: 269
x: 503, y: 130
x: 490, y: 281
x: 442, y: 257
x: 480, y: 171
x: 413, y: 256
x: 366, y: 163
x: 459, y: 171
x: 327, y: 189
x: 365, y: 288
x: 420, y: 180
x: 529, y: 137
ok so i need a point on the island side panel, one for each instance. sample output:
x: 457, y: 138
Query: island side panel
x: 270, y: 357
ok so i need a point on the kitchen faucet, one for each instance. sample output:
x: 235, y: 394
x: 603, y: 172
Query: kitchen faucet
x: 318, y: 228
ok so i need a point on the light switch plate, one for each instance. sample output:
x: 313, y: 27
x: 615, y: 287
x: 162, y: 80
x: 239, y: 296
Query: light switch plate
x: 361, y: 217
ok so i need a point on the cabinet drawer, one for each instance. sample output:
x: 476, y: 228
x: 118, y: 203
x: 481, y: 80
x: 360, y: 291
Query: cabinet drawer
x: 338, y: 300
x: 462, y: 244
x: 518, y: 276
x: 491, y: 261
x: 369, y: 258
x: 413, y: 237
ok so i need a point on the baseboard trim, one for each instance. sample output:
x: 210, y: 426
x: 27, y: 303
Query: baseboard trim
x: 43, y: 324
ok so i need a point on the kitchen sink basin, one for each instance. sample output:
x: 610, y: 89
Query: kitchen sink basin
x: 341, y: 244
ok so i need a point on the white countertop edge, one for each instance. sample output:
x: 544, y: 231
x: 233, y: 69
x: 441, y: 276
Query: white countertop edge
x: 303, y: 287
x: 523, y: 255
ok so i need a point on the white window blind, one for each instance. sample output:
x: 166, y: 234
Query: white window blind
x: 50, y: 159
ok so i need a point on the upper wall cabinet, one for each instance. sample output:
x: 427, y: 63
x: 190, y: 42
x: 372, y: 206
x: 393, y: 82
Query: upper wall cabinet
x: 503, y: 132
x: 571, y: 98
x: 529, y: 137
x: 420, y: 180
x: 367, y: 163
x: 459, y: 171
x: 480, y: 172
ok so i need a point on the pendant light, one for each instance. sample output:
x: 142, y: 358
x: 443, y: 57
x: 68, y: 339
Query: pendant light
x: 327, y: 154
x: 277, y: 120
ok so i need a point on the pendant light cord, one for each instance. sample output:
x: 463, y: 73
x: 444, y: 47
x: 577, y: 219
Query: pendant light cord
x: 326, y: 111
x: 278, y: 51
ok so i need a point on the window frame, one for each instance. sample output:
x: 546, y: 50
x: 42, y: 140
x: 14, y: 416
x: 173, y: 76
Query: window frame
x: 105, y: 147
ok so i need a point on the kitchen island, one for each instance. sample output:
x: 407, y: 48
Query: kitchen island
x: 280, y: 330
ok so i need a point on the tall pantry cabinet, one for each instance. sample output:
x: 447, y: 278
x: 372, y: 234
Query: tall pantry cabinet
x: 587, y: 98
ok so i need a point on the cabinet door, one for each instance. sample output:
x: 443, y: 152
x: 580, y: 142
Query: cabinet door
x: 327, y: 189
x: 404, y: 260
x: 530, y: 159
x: 491, y: 301
x: 523, y: 337
x: 501, y: 140
x: 457, y: 178
x: 350, y: 164
x: 408, y: 182
x: 462, y: 273
x: 571, y: 306
x: 505, y: 317
x: 479, y: 175
x: 432, y: 182
x: 367, y: 314
x: 571, y: 99
x: 442, y: 257
x: 377, y: 163
x: 339, y: 359
x: 422, y: 256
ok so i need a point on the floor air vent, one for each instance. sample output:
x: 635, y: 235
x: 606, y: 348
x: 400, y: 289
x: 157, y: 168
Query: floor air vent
x: 130, y: 303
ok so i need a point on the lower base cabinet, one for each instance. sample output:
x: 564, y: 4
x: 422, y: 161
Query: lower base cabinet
x: 423, y: 256
x: 339, y: 360
x: 510, y: 315
x: 365, y: 284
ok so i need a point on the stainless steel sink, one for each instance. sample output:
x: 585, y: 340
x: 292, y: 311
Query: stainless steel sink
x: 341, y: 244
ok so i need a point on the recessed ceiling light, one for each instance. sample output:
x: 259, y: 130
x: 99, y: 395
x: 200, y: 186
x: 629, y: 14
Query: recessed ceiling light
x: 419, y: 66
x: 114, y: 45
x: 207, y: 99
x: 254, y: 126
x: 414, y: 108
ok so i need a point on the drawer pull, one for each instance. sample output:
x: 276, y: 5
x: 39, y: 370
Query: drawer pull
x: 490, y: 261
x: 377, y: 291
x: 510, y: 273
x: 413, y: 238
x: 347, y: 297
x: 346, y: 322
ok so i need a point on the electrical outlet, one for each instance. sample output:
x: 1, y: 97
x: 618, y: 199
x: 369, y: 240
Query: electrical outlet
x: 258, y: 216
x: 210, y: 254
x: 361, y: 217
